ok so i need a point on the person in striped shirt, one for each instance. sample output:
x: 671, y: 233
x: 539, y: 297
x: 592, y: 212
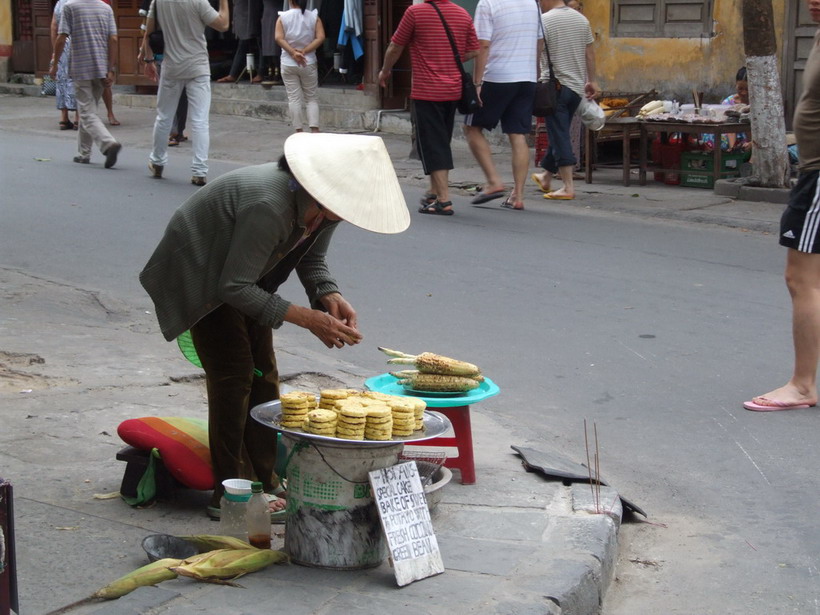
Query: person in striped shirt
x: 569, y: 40
x: 93, y: 32
x: 436, y: 87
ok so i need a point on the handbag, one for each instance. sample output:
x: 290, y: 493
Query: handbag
x: 545, y: 100
x: 156, y: 40
x: 468, y: 103
x: 48, y: 87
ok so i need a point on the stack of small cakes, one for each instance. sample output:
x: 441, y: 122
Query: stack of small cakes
x: 321, y: 422
x: 352, y: 420
x: 328, y: 397
x: 295, y: 406
x: 379, y: 422
x: 404, y: 416
x: 419, y: 406
x: 357, y: 415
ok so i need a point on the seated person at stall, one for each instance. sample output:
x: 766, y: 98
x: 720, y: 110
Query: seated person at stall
x: 733, y: 142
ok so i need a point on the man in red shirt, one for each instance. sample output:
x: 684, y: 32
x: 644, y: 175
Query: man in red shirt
x: 436, y: 87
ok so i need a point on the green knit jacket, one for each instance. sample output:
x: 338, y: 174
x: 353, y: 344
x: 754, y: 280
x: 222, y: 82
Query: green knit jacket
x: 224, y: 239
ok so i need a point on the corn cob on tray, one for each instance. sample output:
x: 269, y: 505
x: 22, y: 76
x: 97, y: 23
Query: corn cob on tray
x: 270, y: 415
x: 390, y: 384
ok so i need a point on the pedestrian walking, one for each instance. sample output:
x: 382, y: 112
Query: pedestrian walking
x: 436, y: 86
x: 226, y: 252
x: 569, y: 42
x: 300, y: 33
x: 185, y: 66
x: 800, y: 233
x: 90, y: 25
x: 64, y: 85
x: 505, y: 73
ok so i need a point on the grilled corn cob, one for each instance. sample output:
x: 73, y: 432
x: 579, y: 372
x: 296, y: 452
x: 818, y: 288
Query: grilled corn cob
x: 151, y: 574
x: 429, y: 363
x: 410, y: 373
x: 228, y: 563
x: 438, y: 383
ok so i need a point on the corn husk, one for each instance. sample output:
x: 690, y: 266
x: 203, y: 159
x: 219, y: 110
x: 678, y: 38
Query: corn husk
x: 228, y: 563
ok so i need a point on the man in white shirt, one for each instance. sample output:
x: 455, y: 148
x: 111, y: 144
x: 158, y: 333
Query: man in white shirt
x: 185, y: 65
x: 505, y: 73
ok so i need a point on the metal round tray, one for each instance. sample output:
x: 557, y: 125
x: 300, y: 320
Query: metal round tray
x: 270, y: 415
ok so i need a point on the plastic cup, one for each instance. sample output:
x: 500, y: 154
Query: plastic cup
x: 237, y: 486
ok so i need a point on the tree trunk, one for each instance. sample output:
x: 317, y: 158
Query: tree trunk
x: 769, y: 155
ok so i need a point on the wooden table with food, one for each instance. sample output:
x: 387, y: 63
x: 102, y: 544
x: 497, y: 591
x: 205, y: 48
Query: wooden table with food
x: 688, y: 124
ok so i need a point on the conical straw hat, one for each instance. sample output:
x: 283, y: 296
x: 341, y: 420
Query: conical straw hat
x: 352, y: 176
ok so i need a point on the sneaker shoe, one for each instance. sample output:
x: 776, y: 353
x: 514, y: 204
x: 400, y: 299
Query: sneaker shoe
x: 111, y: 154
x: 156, y: 170
x: 82, y: 159
x: 199, y: 180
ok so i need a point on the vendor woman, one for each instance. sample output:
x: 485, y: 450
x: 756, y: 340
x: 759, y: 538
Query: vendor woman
x: 731, y: 141
x: 225, y: 253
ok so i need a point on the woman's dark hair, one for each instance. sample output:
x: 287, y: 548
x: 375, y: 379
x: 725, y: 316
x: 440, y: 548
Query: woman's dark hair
x: 283, y: 165
x: 302, y: 4
x: 741, y: 74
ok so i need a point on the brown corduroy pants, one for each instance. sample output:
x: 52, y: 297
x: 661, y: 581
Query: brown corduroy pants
x: 230, y: 346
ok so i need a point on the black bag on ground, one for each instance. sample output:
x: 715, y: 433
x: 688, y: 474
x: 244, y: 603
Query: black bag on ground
x: 468, y: 103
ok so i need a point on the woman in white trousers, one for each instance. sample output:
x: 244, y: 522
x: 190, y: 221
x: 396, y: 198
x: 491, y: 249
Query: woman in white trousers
x: 300, y: 33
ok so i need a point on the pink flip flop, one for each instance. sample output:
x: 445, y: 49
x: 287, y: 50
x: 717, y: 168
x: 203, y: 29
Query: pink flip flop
x: 772, y: 405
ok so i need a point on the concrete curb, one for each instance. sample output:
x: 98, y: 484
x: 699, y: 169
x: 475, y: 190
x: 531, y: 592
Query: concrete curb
x: 736, y: 189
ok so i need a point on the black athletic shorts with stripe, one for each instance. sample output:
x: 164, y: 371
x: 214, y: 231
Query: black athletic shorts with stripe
x: 800, y: 223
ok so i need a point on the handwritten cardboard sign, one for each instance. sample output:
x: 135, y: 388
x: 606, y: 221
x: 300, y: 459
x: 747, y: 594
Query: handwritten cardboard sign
x: 406, y: 522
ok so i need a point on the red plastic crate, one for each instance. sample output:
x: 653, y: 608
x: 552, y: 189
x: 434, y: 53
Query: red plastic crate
x: 541, y: 139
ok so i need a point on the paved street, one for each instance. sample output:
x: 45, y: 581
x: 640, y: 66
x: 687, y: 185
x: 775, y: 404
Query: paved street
x: 651, y: 312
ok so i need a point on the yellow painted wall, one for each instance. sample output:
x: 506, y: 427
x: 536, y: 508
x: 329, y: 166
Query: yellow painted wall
x: 5, y: 24
x: 674, y: 66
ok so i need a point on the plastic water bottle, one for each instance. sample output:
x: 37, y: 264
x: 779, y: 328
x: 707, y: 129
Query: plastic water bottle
x: 233, y: 516
x: 258, y: 518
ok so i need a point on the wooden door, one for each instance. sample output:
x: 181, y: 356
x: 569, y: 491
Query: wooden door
x: 396, y: 95
x: 129, y: 39
x: 41, y: 11
x: 797, y: 45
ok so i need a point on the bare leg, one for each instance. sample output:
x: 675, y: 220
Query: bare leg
x: 568, y: 189
x: 108, y: 99
x: 803, y: 281
x: 520, y: 165
x: 480, y: 148
x: 440, y: 185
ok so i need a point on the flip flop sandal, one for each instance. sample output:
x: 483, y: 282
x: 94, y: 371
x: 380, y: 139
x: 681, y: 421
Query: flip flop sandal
x: 277, y: 516
x: 428, y: 199
x: 67, y: 125
x: 437, y: 209
x: 534, y: 177
x: 507, y: 204
x: 483, y: 197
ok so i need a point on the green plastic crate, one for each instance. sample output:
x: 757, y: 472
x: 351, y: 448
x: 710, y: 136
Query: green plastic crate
x: 703, y: 162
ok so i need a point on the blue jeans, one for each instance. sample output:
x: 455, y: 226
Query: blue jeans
x: 559, y: 152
